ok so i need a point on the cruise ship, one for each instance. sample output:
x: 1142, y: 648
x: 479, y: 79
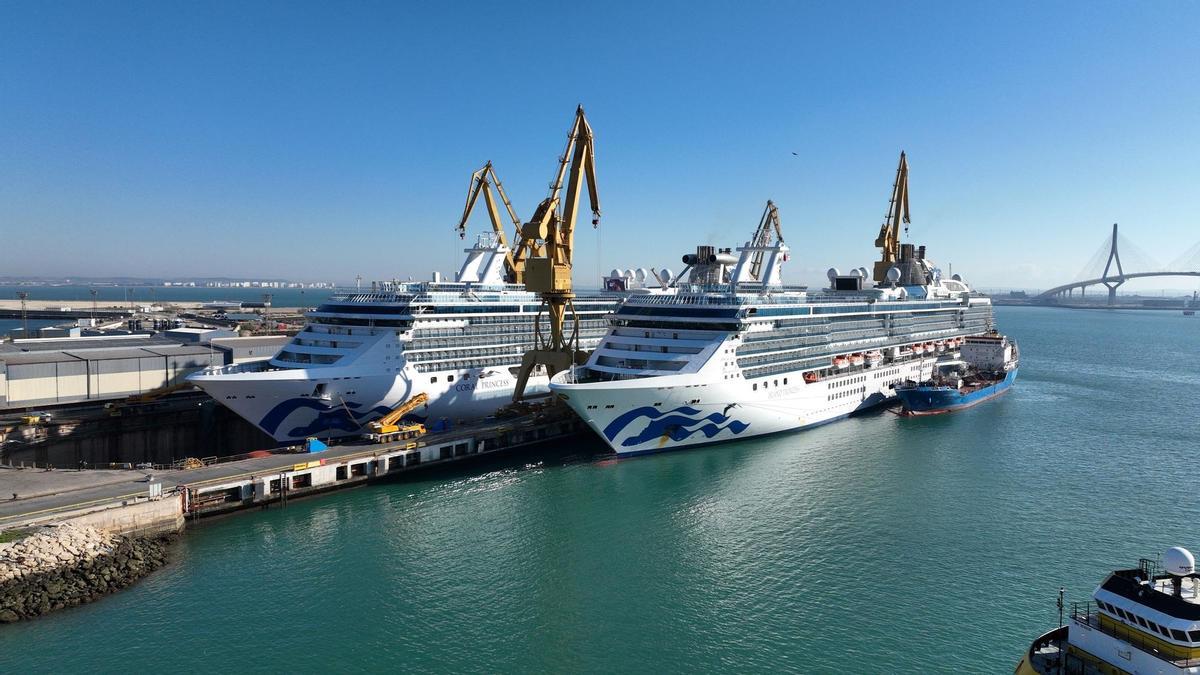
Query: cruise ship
x: 729, y: 355
x: 1140, y: 620
x: 363, y: 352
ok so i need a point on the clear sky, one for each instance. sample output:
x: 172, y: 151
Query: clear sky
x: 324, y: 140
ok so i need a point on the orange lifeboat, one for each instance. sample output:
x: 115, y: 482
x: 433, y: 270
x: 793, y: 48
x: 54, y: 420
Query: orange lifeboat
x: 841, y: 362
x: 811, y: 376
x: 857, y: 359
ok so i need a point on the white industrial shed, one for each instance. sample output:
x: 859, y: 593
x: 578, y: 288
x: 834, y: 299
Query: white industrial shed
x: 79, y: 371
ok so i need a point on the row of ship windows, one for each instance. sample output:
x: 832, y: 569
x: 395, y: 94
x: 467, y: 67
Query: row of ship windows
x: 843, y: 394
x: 764, y: 384
x: 318, y: 359
x: 663, y: 349
x: 1174, y: 633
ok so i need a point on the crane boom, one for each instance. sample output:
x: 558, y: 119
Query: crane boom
x: 762, y: 236
x: 401, y: 410
x: 888, y: 240
x: 554, y: 223
x: 514, y: 259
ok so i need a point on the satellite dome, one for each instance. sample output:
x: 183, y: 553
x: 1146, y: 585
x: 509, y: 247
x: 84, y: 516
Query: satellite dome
x: 615, y: 274
x: 628, y: 274
x: 957, y: 277
x: 832, y: 273
x: 893, y: 274
x: 640, y: 274
x: 866, y: 274
x: 665, y: 275
x: 857, y: 271
x: 1179, y: 561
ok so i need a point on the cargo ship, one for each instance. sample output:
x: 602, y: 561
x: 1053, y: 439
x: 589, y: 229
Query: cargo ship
x: 986, y: 369
x: 1140, y: 620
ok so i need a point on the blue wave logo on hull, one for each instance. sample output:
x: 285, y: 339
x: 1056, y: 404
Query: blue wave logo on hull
x: 329, y: 418
x: 678, y: 425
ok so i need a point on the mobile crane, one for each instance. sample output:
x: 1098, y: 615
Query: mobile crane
x: 553, y: 225
x: 888, y: 240
x: 515, y: 257
x: 388, y: 427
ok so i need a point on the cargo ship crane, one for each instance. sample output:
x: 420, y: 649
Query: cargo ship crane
x: 553, y: 223
x: 762, y: 236
x: 888, y: 240
x: 515, y: 256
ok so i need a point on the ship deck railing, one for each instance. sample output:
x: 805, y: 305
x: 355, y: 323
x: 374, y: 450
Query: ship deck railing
x: 1085, y: 613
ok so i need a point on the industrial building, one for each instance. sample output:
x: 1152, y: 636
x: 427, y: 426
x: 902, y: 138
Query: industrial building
x: 58, y: 371
x: 253, y: 348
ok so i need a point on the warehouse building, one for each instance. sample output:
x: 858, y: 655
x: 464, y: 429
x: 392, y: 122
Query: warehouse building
x: 57, y: 371
x: 252, y: 348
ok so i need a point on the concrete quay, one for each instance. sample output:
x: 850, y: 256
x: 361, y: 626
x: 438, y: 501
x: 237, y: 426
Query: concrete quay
x: 145, y: 502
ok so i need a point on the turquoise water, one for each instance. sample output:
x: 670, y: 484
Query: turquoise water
x: 877, y: 544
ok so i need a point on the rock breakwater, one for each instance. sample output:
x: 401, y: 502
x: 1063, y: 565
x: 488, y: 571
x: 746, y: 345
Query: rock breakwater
x: 66, y: 565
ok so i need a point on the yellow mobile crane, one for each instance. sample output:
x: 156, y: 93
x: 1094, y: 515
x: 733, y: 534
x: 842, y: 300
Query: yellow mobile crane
x: 514, y: 260
x: 888, y: 240
x: 550, y: 275
x: 762, y: 236
x: 388, y: 428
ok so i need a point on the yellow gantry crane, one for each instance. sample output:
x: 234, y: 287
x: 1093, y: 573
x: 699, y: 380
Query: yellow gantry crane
x: 553, y: 225
x: 514, y: 260
x: 762, y: 236
x: 888, y: 240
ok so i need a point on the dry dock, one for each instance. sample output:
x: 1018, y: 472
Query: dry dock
x: 153, y: 501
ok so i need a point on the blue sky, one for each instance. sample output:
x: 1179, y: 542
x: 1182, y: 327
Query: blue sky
x: 324, y: 140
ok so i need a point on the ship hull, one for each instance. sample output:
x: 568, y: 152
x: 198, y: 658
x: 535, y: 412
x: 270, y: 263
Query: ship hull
x: 284, y: 404
x: 920, y: 401
x: 638, y: 417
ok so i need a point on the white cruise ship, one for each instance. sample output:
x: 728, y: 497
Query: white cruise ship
x: 364, y: 352
x: 727, y: 356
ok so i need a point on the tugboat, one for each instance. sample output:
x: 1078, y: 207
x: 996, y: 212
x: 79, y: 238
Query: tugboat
x: 986, y: 369
x: 1141, y: 620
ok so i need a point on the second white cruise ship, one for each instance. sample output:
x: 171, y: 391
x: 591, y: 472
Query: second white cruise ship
x: 731, y: 355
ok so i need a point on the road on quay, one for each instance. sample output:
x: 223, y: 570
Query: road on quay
x: 79, y: 489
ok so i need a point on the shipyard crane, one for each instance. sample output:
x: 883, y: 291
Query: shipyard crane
x: 515, y: 256
x: 762, y: 236
x: 553, y: 225
x: 889, y: 233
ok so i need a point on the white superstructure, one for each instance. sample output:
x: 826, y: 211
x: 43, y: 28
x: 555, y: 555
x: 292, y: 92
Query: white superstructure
x: 364, y: 352
x: 725, y: 356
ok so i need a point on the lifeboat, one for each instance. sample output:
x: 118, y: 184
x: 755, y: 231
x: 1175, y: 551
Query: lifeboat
x: 841, y: 362
x: 874, y: 358
x: 811, y: 376
x: 918, y: 349
x: 857, y: 359
x: 940, y: 345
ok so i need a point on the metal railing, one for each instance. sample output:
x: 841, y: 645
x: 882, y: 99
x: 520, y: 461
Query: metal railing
x: 1086, y: 614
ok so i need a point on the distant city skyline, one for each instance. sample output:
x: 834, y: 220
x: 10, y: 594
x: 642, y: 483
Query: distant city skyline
x: 308, y: 141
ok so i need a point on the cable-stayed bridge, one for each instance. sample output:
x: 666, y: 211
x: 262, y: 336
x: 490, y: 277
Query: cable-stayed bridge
x: 1119, y: 260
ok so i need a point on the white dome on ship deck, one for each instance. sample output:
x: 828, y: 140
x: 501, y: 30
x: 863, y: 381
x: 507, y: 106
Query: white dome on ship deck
x: 832, y: 273
x: 1179, y: 561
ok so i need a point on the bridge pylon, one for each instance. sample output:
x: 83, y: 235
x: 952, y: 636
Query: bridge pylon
x: 1113, y: 256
